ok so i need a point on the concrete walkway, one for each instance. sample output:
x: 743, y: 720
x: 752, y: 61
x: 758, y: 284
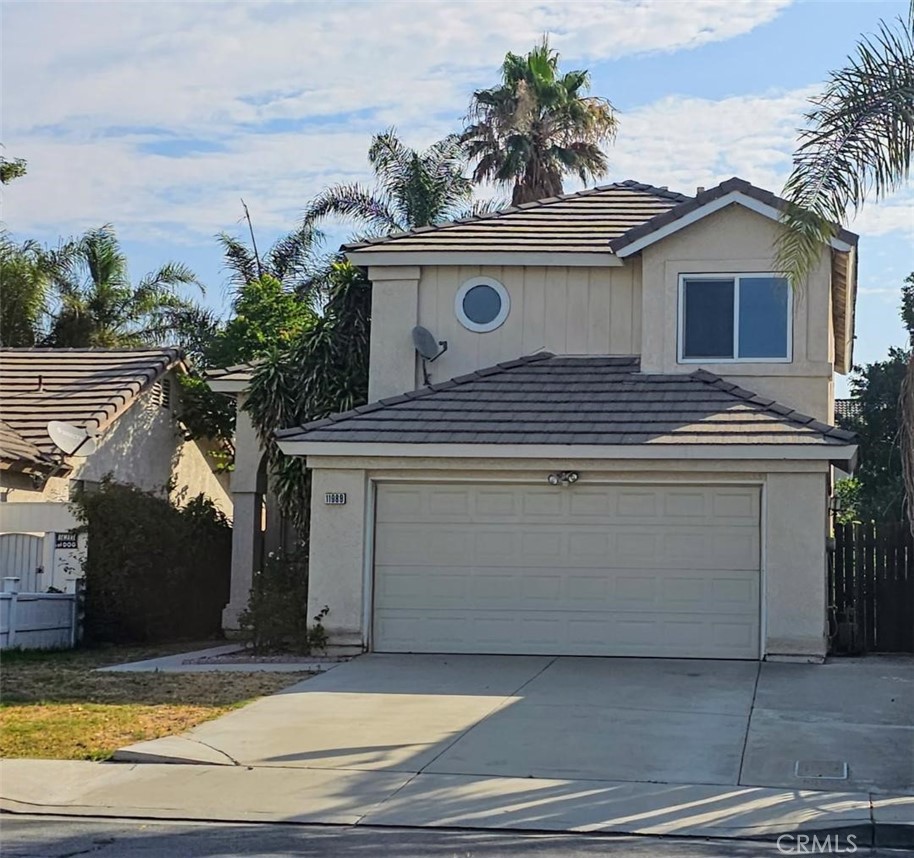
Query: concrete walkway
x: 182, y: 663
x: 692, y: 748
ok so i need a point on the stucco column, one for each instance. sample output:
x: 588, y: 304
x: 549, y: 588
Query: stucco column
x: 247, y: 552
x: 248, y: 484
x: 394, y: 314
x: 796, y: 565
x: 337, y: 561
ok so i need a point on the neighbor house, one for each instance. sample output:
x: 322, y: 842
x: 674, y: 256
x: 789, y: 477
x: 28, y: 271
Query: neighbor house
x: 127, y: 400
x: 625, y: 450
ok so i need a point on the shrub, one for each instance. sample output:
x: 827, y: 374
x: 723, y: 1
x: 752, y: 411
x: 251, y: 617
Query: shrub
x: 276, y: 615
x: 154, y: 571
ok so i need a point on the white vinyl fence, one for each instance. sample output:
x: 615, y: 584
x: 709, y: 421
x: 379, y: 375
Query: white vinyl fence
x: 37, y: 620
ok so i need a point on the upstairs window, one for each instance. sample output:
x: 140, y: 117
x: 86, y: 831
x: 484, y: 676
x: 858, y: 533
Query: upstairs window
x: 734, y: 317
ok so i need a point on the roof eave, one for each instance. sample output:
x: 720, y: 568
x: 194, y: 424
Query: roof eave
x: 545, y: 258
x: 843, y: 455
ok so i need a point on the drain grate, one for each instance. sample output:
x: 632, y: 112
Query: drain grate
x: 823, y: 769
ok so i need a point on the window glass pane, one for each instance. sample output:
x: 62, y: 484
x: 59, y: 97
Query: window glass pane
x: 708, y: 322
x: 481, y: 304
x: 763, y: 317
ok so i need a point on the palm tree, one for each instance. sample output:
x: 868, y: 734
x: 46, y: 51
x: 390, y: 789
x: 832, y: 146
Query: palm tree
x: 290, y: 260
x: 412, y: 188
x: 536, y: 126
x: 25, y: 276
x: 858, y: 145
x: 98, y: 306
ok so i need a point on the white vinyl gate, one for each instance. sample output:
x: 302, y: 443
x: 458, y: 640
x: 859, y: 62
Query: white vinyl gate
x: 21, y: 557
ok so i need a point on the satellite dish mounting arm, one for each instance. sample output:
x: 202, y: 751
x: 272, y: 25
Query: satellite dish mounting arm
x: 428, y: 348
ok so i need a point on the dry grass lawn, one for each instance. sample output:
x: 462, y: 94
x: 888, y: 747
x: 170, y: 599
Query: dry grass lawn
x: 54, y: 706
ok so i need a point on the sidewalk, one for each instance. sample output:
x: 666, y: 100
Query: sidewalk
x: 387, y: 798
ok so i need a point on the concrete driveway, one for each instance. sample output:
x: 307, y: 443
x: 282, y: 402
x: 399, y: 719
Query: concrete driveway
x: 846, y: 725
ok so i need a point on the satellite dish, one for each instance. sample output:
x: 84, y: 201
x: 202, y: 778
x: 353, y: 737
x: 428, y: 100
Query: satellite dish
x: 73, y: 440
x: 427, y: 345
x: 428, y: 348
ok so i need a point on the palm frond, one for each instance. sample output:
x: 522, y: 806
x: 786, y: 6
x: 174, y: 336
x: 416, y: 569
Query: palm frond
x: 352, y: 202
x: 859, y: 144
x: 291, y: 257
x: 239, y: 261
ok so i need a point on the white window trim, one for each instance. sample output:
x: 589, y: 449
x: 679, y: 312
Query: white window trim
x: 735, y: 277
x: 466, y: 321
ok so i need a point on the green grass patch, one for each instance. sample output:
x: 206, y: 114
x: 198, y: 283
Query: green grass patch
x: 53, y: 705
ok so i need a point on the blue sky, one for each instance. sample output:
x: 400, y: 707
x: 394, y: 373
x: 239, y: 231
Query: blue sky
x: 159, y: 117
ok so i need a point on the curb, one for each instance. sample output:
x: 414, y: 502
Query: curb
x: 888, y: 835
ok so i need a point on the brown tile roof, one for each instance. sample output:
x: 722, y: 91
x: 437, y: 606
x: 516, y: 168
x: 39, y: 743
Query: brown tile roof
x: 545, y: 399
x: 87, y: 387
x: 582, y: 222
x: 14, y: 448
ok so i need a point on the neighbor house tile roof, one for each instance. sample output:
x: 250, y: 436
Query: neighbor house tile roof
x: 582, y: 222
x: 242, y: 372
x: 14, y: 448
x: 545, y: 399
x: 89, y: 388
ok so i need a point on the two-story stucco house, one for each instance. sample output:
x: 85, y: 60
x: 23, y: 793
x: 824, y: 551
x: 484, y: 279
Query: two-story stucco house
x: 625, y: 449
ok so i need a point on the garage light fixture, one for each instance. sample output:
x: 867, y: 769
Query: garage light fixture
x: 562, y: 478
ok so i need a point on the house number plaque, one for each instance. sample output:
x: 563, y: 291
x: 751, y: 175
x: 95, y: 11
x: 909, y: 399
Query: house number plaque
x: 335, y: 498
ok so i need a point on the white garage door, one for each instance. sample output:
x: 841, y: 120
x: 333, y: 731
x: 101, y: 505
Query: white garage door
x: 585, y: 570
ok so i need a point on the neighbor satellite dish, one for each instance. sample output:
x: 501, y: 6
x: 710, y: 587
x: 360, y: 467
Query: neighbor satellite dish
x: 73, y: 440
x: 427, y: 345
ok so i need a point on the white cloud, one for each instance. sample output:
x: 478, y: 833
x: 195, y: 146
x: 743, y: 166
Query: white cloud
x: 209, y: 65
x: 691, y: 142
x: 280, y: 100
x: 88, y: 85
x: 896, y: 214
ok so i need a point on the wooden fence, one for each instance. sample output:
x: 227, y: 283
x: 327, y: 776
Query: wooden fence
x: 871, y: 588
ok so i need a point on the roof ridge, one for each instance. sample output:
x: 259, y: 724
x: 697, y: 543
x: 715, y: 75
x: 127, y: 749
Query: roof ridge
x: 772, y: 406
x: 159, y: 350
x: 627, y: 184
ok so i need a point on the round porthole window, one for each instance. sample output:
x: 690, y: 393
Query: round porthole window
x: 482, y: 304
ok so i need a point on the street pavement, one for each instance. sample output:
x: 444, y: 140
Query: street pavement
x: 45, y: 837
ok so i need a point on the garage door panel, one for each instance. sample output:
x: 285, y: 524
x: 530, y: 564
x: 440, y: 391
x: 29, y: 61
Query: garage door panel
x: 693, y: 636
x: 714, y: 547
x: 590, y: 570
x: 572, y: 590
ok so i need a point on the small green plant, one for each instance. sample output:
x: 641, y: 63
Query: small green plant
x: 275, y: 619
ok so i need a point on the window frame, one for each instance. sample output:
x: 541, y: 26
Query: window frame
x: 503, y: 312
x: 736, y: 277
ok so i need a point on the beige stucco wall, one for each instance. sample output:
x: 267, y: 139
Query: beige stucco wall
x: 144, y: 447
x: 736, y: 240
x: 793, y: 527
x: 565, y: 310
